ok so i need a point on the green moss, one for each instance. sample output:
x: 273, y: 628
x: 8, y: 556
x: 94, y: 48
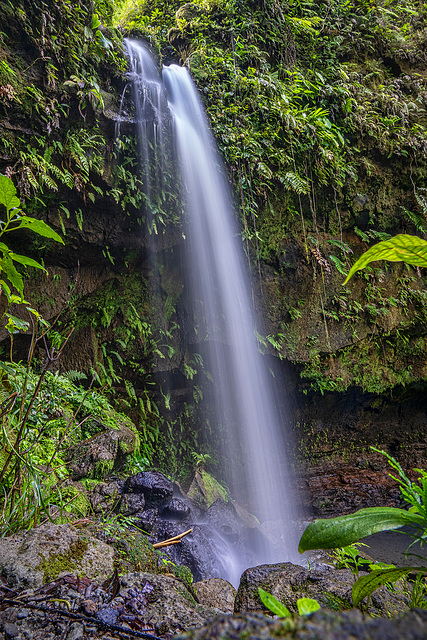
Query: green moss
x: 102, y: 468
x: 56, y: 564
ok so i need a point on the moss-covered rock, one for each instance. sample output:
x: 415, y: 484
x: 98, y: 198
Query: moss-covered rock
x: 99, y: 455
x: 31, y: 558
x: 205, y: 490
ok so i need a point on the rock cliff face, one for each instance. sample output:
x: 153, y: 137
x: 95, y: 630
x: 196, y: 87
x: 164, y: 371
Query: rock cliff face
x: 354, y: 358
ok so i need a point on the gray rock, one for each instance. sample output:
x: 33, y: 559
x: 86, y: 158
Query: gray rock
x: 330, y: 587
x: 10, y: 629
x: 216, y: 593
x: 171, y: 608
x: 322, y: 625
x: 31, y: 558
x: 132, y: 503
x: 104, y: 497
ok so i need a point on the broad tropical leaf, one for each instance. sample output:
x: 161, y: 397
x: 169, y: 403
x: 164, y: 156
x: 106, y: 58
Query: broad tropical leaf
x: 333, y: 533
x: 307, y: 606
x: 368, y: 584
x: 40, y: 227
x: 8, y: 193
x: 28, y: 262
x: 273, y: 604
x: 14, y: 277
x: 401, y: 248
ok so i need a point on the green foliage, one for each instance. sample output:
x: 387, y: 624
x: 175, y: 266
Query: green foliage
x: 13, y: 220
x: 273, y: 604
x: 345, y: 530
x: 402, y: 248
x: 305, y: 606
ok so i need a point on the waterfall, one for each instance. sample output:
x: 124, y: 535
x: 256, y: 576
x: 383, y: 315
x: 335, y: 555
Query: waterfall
x: 245, y: 394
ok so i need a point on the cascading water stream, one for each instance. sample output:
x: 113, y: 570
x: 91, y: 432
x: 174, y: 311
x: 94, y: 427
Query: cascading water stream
x: 247, y: 402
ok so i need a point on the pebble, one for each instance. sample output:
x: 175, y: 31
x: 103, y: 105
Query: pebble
x: 23, y: 613
x: 10, y: 629
x: 76, y: 631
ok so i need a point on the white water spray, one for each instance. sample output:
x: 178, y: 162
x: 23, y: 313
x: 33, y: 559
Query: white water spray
x: 247, y: 407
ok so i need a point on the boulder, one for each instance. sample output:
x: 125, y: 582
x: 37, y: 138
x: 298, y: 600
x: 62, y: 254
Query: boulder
x: 330, y: 587
x: 101, y: 454
x: 132, y: 504
x: 205, y: 490
x: 32, y: 558
x: 171, y: 606
x: 104, y: 497
x: 216, y: 593
x: 155, y: 487
x: 327, y: 625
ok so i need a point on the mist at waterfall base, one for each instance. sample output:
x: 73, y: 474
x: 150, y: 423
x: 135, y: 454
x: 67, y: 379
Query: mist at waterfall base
x: 245, y: 394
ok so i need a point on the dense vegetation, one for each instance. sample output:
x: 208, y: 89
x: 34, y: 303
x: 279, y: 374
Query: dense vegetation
x: 319, y: 112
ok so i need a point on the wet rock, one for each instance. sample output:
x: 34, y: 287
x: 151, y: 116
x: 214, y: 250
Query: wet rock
x: 155, y: 487
x: 132, y: 503
x: 102, y: 454
x: 148, y: 520
x: 216, y: 593
x: 104, y: 497
x: 31, y: 558
x: 205, y: 490
x: 177, y: 509
x: 327, y: 625
x: 330, y: 587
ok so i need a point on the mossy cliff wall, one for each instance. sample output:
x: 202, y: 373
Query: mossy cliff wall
x: 319, y: 112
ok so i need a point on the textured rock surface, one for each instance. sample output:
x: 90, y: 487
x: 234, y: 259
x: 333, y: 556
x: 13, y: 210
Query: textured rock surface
x: 98, y: 456
x: 172, y: 608
x: 216, y: 593
x: 330, y: 587
x: 157, y: 489
x: 322, y: 625
x: 32, y: 558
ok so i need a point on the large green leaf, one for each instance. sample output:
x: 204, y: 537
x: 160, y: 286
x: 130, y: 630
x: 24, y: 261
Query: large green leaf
x: 8, y: 193
x: 401, y: 248
x: 307, y: 606
x: 28, y: 262
x: 368, y: 584
x: 10, y: 272
x: 40, y: 227
x: 273, y: 604
x: 338, y: 532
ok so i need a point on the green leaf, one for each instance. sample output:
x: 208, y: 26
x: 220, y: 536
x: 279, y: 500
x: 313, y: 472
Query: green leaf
x: 40, y: 227
x: 9, y: 270
x: 28, y: 262
x: 15, y: 324
x: 307, y: 606
x: 333, y: 533
x: 401, y: 248
x: 273, y: 604
x: 8, y: 193
x: 95, y: 21
x: 368, y: 584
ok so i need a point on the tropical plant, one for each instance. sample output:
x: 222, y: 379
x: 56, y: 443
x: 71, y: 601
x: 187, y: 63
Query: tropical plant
x: 13, y: 220
x: 342, y: 531
x: 402, y: 248
x: 305, y: 606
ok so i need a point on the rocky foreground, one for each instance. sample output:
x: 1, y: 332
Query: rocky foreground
x: 90, y: 600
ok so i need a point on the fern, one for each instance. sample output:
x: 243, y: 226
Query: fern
x: 294, y: 182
